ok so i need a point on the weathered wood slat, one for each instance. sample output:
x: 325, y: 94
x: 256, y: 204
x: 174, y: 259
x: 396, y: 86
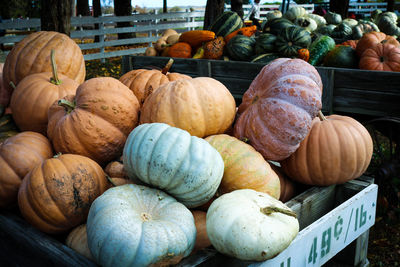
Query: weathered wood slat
x: 118, y: 42
x: 114, y: 53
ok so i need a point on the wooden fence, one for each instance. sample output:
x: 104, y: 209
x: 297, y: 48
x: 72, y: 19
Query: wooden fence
x: 366, y: 8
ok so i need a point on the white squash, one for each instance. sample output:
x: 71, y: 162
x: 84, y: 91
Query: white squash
x: 134, y: 225
x: 250, y: 225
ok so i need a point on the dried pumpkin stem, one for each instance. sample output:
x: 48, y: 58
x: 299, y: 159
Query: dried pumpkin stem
x: 167, y: 66
x: 68, y: 105
x: 110, y: 180
x: 270, y: 210
x: 12, y: 85
x: 57, y: 155
x: 54, y: 79
x: 321, y: 116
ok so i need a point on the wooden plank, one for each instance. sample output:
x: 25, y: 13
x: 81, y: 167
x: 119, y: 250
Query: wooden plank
x: 114, y: 53
x: 235, y: 69
x: 118, y: 42
x: 327, y: 77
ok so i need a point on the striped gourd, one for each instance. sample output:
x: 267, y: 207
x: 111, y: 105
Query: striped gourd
x: 226, y: 23
x: 291, y: 39
x: 276, y: 25
x: 241, y: 47
x: 265, y: 58
x: 265, y: 43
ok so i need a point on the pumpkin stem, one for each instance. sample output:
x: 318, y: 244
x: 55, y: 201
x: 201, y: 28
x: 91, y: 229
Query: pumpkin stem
x: 245, y: 139
x: 321, y: 116
x: 54, y: 79
x: 57, y: 155
x: 167, y: 66
x: 68, y: 105
x: 110, y: 180
x: 12, y: 85
x: 270, y: 210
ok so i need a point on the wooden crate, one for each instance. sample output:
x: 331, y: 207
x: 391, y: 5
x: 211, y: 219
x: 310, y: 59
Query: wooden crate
x: 330, y: 219
x: 361, y: 92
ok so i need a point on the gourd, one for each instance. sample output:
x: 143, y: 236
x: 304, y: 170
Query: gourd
x: 275, y: 26
x: 161, y: 43
x: 77, y: 240
x: 133, y: 225
x: 277, y: 110
x: 265, y: 58
x: 341, y: 56
x: 196, y: 38
x: 56, y: 195
x: 388, y: 25
x: 173, y: 39
x: 180, y: 50
x: 360, y: 30
x: 202, y: 106
x: 250, y: 225
x: 214, y: 49
x: 351, y: 43
x: 332, y: 18
x: 303, y: 54
x: 226, y: 23
x: 184, y: 166
x: 342, y: 31
x: 337, y: 149
x: 275, y: 14
x: 34, y: 95
x: 381, y: 57
x: 350, y: 22
x: 320, y: 48
x: 373, y: 38
x: 291, y: 39
x: 96, y: 121
x: 295, y: 12
x: 143, y: 82
x: 306, y: 23
x: 32, y: 55
x: 265, y: 43
x: 18, y: 155
x: 245, y: 168
x: 326, y: 30
x: 5, y: 93
x: 318, y: 19
x: 151, y: 52
x: 246, y: 31
x: 241, y: 47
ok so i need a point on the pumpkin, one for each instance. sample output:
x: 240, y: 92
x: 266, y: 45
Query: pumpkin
x: 360, y: 29
x: 250, y: 225
x: 214, y: 49
x: 369, y: 40
x: 96, y: 121
x: 295, y: 12
x: 291, y: 39
x: 184, y: 166
x: 116, y: 169
x: 56, y: 195
x: 7, y: 125
x: 319, y: 48
x: 341, y: 56
x: 202, y: 240
x: 5, y: 93
x: 77, y: 240
x: 337, y: 149
x: 34, y: 95
x: 277, y: 110
x: 265, y: 58
x: 288, y: 186
x: 202, y: 106
x: 32, y: 55
x: 273, y: 14
x: 245, y: 168
x: 133, y: 225
x: 196, y: 38
x: 318, y: 19
x: 143, y: 82
x: 180, y: 50
x: 332, y: 18
x: 226, y: 23
x: 241, y: 47
x: 306, y: 23
x: 303, y: 54
x: 18, y: 155
x: 351, y: 43
x: 246, y: 31
x: 265, y: 43
x: 342, y: 31
x: 151, y: 52
x: 173, y: 38
x: 275, y: 26
x: 383, y: 57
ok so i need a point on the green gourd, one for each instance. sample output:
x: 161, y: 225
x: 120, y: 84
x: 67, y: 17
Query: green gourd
x: 319, y: 48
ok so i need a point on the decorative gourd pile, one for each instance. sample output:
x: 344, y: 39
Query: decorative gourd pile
x: 118, y: 164
x: 325, y: 40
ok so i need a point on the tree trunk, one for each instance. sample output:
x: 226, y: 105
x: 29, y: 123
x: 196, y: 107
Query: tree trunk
x: 237, y: 6
x: 339, y: 6
x: 123, y: 8
x: 96, y: 13
x: 55, y: 15
x: 390, y: 5
x: 82, y: 8
x: 214, y: 8
x: 165, y: 8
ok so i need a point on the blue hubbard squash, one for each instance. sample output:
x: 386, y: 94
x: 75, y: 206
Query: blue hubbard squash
x: 169, y: 158
x: 226, y: 23
x: 241, y: 47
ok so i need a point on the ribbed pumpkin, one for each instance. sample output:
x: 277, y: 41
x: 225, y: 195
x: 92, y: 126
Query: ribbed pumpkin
x: 56, y: 195
x: 143, y: 82
x: 184, y: 166
x: 202, y: 240
x: 5, y: 92
x: 369, y: 40
x: 245, y: 168
x: 277, y: 110
x: 291, y: 39
x: 77, y: 240
x: 32, y: 55
x: 214, y: 49
x: 133, y: 225
x: 337, y: 149
x: 34, y: 95
x: 180, y: 50
x: 265, y: 43
x: 381, y: 57
x: 275, y: 26
x: 96, y: 121
x: 18, y: 155
x: 241, y: 47
x: 226, y: 23
x: 202, y: 106
x: 295, y: 12
x: 196, y: 38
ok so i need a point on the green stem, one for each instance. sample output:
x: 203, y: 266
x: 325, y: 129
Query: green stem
x: 68, y: 105
x: 270, y: 210
x: 12, y: 85
x: 321, y: 116
x: 54, y: 79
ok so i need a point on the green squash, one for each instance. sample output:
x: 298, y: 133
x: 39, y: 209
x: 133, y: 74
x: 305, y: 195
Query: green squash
x: 295, y: 12
x: 320, y: 48
x: 341, y: 56
x: 375, y: 15
x: 226, y: 23
x: 275, y: 26
x: 387, y: 25
x: 306, y: 23
x: 327, y: 29
x: 265, y: 43
x: 333, y: 18
x: 265, y: 58
x: 342, y: 31
x: 241, y: 47
x: 361, y: 29
x: 291, y: 39
x: 350, y: 22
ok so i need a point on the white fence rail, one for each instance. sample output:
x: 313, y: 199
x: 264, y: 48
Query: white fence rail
x: 265, y: 9
x: 366, y: 8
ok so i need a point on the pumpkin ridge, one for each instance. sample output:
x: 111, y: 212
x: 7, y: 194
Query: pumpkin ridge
x: 202, y: 107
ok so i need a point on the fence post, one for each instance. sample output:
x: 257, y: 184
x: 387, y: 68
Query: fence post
x: 156, y: 22
x: 101, y: 39
x: 188, y: 19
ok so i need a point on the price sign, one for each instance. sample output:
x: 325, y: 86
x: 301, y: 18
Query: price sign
x: 320, y: 241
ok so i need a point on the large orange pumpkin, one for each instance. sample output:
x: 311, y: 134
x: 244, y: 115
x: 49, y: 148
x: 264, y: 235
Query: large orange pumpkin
x: 34, y: 95
x: 18, y: 155
x: 245, y: 168
x: 384, y: 57
x: 32, y: 55
x: 202, y: 106
x: 56, y: 195
x: 96, y: 122
x: 337, y: 149
x: 143, y: 82
x: 371, y: 39
x: 277, y: 110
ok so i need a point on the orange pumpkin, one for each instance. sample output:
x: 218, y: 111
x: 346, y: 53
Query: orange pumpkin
x: 202, y: 106
x: 32, y: 55
x: 336, y: 150
x: 56, y: 195
x: 143, y: 82
x: 304, y: 54
x: 96, y: 121
x: 277, y: 110
x: 288, y: 186
x: 34, y: 95
x: 369, y: 40
x: 5, y: 93
x: 181, y: 50
x: 246, y: 31
x: 352, y: 43
x: 383, y: 57
x: 202, y: 240
x: 77, y: 240
x: 18, y: 155
x: 196, y: 38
